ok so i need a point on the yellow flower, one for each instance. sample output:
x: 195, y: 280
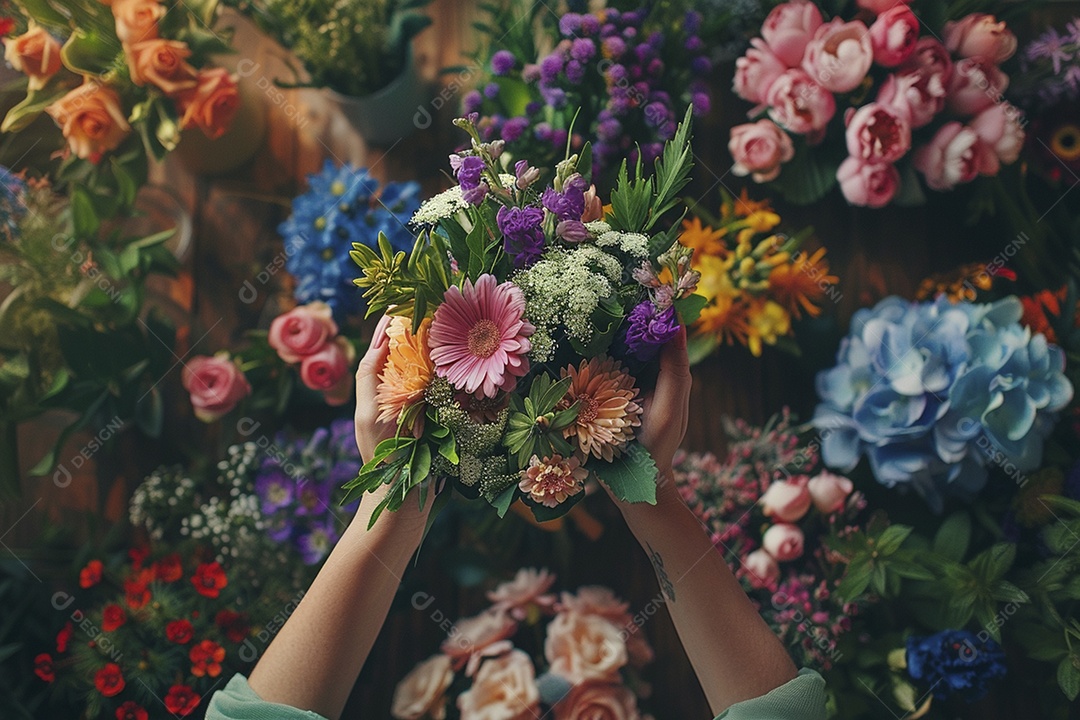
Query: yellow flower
x: 769, y: 321
x: 726, y: 314
x: 801, y: 285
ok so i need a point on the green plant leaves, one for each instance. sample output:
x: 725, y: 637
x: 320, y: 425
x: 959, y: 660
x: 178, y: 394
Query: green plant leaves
x: 631, y: 476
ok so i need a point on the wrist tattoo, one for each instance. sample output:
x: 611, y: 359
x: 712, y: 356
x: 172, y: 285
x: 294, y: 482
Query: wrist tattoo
x: 666, y: 586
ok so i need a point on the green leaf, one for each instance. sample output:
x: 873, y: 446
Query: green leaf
x: 1062, y: 504
x: 1068, y: 676
x: 892, y: 538
x: 204, y: 10
x: 504, y: 500
x: 88, y: 52
x: 150, y: 413
x: 1006, y: 592
x: 856, y: 579
x: 83, y: 215
x: 811, y: 174
x: 631, y: 477
x: 19, y: 117
x: 953, y: 537
x: 992, y: 564
x: 689, y: 308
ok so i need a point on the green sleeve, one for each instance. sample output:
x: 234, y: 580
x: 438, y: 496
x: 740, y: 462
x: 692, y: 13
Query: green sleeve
x: 801, y: 698
x: 237, y: 701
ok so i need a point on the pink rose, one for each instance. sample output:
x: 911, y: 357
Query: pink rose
x: 212, y: 104
x: 91, y: 119
x: 879, y: 6
x: 932, y: 58
x: 342, y: 391
x: 786, y: 500
x: 980, y: 35
x: 755, y: 72
x: 761, y: 569
x: 799, y: 104
x: 878, y: 134
x: 137, y: 20
x: 894, y: 36
x: 839, y: 56
x: 783, y: 541
x: 976, y: 84
x: 829, y: 492
x: 788, y: 29
x: 760, y: 149
x: 868, y: 184
x: 35, y: 53
x: 422, y: 693
x: 917, y: 95
x: 216, y: 385
x: 951, y: 158
x: 584, y: 647
x: 325, y: 369
x: 483, y: 635
x: 527, y: 589
x: 302, y: 331
x: 599, y: 601
x: 504, y: 689
x: 1002, y: 135
x: 598, y: 701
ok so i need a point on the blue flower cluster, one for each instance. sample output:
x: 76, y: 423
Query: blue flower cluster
x: 296, y: 483
x: 955, y: 662
x: 12, y: 202
x: 934, y: 393
x: 343, y: 205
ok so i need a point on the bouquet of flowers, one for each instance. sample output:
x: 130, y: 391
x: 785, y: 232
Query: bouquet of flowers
x: 524, y: 323
x: 121, y: 80
x: 593, y: 648
x: 754, y: 285
x: 908, y: 100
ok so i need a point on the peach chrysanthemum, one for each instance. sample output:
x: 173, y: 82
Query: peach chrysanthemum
x: 608, y: 410
x: 802, y: 283
x: 551, y: 480
x: 408, y: 370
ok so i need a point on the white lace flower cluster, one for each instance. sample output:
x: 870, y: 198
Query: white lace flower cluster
x: 445, y: 204
x: 634, y: 244
x: 158, y: 503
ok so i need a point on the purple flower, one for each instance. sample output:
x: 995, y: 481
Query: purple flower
x: 568, y: 204
x: 314, y: 497
x: 476, y: 195
x: 701, y: 102
x: 534, y: 107
x: 553, y: 96
x: 575, y: 72
x: 614, y: 47
x: 531, y: 72
x: 502, y: 62
x: 589, y: 25
x: 558, y: 138
x: 274, y: 487
x: 526, y: 174
x: 572, y: 231
x: 468, y: 170
x: 523, y: 233
x: 513, y: 128
x: 550, y: 67
x: 608, y: 129
x: 318, y: 543
x: 648, y: 329
x: 543, y: 131
x: 582, y: 50
x: 280, y: 528
x: 491, y: 91
x: 569, y: 24
x: 694, y: 44
x: 701, y: 65
x: 692, y: 22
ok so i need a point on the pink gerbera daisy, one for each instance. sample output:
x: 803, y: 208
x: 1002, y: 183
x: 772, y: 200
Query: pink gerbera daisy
x: 479, y: 338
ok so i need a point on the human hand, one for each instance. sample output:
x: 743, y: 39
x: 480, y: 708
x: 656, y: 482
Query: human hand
x: 667, y: 408
x: 369, y: 431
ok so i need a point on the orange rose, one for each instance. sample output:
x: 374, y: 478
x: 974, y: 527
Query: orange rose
x: 35, y: 53
x: 421, y: 694
x: 212, y: 104
x: 597, y: 701
x: 161, y: 63
x: 137, y: 20
x: 92, y: 120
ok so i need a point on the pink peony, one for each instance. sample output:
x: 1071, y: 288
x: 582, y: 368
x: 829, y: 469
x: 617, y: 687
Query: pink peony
x: 325, y: 369
x: 422, y: 693
x: 878, y: 134
x: 755, y: 72
x: 951, y: 158
x: 479, y: 338
x: 216, y: 385
x: 932, y: 58
x: 879, y: 6
x: 483, y: 635
x: 302, y: 331
x: 976, y: 84
x: 598, y: 701
x: 1002, y: 134
x: 839, y: 56
x: 868, y: 184
x: 917, y: 95
x: 760, y: 149
x: 829, y: 492
x: 527, y: 589
x: 788, y: 29
x: 894, y: 36
x: 584, y: 647
x: 504, y: 689
x: 799, y: 104
x: 980, y: 35
x: 761, y: 569
x: 786, y: 500
x: 783, y: 541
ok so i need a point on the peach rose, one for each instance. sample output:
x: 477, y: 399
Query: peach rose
x: 868, y: 184
x: 216, y: 385
x: 755, y: 72
x: 302, y: 331
x: 504, y: 689
x: 91, y: 119
x: 598, y: 701
x: 325, y: 369
x: 35, y: 53
x: 1002, y: 133
x: 839, y: 56
x: 422, y: 693
x: 526, y: 590
x: 161, y: 63
x: 829, y: 492
x: 894, y: 36
x: 584, y: 647
x: 976, y: 84
x: 761, y: 569
x: 759, y: 149
x: 980, y: 35
x: 789, y: 27
x: 597, y: 600
x: 786, y: 500
x: 951, y: 158
x: 879, y: 6
x: 137, y: 20
x: 212, y: 104
x: 483, y: 635
x: 799, y: 104
x: 783, y: 541
x: 878, y: 133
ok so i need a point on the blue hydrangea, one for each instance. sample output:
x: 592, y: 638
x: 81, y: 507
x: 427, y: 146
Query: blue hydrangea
x: 934, y: 393
x: 343, y: 205
x: 955, y: 663
x: 12, y: 202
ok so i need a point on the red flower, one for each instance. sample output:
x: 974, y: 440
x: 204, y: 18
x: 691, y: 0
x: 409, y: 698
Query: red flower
x: 43, y: 667
x: 206, y: 659
x: 233, y: 624
x: 138, y: 556
x: 179, y: 632
x: 209, y: 579
x: 137, y: 588
x: 112, y: 617
x: 109, y: 680
x: 90, y: 575
x: 64, y: 637
x: 181, y: 700
x: 168, y: 569
x: 131, y: 710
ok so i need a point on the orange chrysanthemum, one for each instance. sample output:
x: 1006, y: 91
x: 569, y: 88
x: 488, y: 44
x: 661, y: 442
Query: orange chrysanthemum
x: 702, y: 238
x: 608, y: 410
x: 726, y: 314
x: 408, y: 370
x: 801, y: 284
x: 744, y: 207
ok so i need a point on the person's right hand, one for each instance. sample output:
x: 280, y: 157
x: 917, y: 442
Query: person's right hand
x: 667, y: 409
x: 369, y: 431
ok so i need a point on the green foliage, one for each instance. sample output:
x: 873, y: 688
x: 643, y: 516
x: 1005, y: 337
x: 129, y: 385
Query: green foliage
x: 401, y: 284
x: 535, y: 426
x: 631, y: 476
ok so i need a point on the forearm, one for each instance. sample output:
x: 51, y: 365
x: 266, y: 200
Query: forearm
x: 314, y: 661
x: 735, y: 654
